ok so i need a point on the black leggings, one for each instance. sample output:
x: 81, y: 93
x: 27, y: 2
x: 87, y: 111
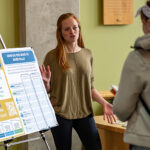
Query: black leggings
x: 85, y: 128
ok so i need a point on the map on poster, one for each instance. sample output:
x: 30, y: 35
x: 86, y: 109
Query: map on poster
x: 24, y: 104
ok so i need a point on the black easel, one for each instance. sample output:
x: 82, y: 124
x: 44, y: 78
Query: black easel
x: 44, y: 138
x: 8, y: 143
x: 2, y: 42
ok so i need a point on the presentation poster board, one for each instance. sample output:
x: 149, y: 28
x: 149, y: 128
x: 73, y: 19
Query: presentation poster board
x: 24, y: 104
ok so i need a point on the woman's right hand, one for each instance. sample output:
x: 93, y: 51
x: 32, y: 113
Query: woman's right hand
x: 46, y: 75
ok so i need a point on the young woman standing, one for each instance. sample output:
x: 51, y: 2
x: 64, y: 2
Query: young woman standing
x: 68, y: 76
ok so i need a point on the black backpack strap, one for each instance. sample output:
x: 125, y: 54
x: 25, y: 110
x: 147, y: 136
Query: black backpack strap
x: 144, y: 104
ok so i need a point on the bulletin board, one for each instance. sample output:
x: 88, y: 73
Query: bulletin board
x: 24, y: 104
x: 117, y: 12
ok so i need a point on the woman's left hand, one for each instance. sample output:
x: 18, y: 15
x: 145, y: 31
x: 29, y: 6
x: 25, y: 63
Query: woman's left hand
x: 107, y: 107
x: 108, y: 112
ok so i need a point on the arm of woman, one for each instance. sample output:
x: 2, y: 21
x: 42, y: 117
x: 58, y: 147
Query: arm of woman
x: 108, y: 108
x: 46, y: 74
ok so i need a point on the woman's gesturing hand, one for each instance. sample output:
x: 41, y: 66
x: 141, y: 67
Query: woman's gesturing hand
x: 46, y: 75
x: 108, y: 112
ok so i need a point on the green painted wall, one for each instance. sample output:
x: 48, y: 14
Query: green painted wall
x: 9, y: 22
x: 110, y: 44
x: 9, y: 31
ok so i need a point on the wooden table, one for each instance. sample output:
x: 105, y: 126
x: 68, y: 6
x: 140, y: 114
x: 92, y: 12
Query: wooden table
x: 108, y: 95
x: 111, y: 135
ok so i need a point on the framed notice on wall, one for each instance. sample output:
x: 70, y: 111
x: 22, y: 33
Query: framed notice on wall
x: 117, y: 12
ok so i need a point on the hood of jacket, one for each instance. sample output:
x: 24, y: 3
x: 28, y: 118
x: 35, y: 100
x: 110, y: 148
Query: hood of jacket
x: 142, y: 42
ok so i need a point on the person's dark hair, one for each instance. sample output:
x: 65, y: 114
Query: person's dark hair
x: 148, y: 3
x: 142, y: 14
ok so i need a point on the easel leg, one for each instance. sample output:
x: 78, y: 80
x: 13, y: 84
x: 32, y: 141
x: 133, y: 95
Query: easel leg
x: 6, y: 146
x: 44, y: 139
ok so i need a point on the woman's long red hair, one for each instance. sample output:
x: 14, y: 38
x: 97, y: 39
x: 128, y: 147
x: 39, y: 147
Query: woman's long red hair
x: 61, y: 52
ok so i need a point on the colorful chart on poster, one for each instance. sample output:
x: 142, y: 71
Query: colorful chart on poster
x: 24, y: 104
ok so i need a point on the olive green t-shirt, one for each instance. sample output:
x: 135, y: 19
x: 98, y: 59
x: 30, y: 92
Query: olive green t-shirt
x: 70, y: 92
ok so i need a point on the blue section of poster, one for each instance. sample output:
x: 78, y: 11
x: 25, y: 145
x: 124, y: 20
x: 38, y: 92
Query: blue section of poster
x: 2, y: 135
x: 18, y: 57
x: 9, y: 133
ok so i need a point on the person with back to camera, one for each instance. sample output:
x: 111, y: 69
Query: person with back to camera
x: 68, y: 77
x: 132, y: 101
